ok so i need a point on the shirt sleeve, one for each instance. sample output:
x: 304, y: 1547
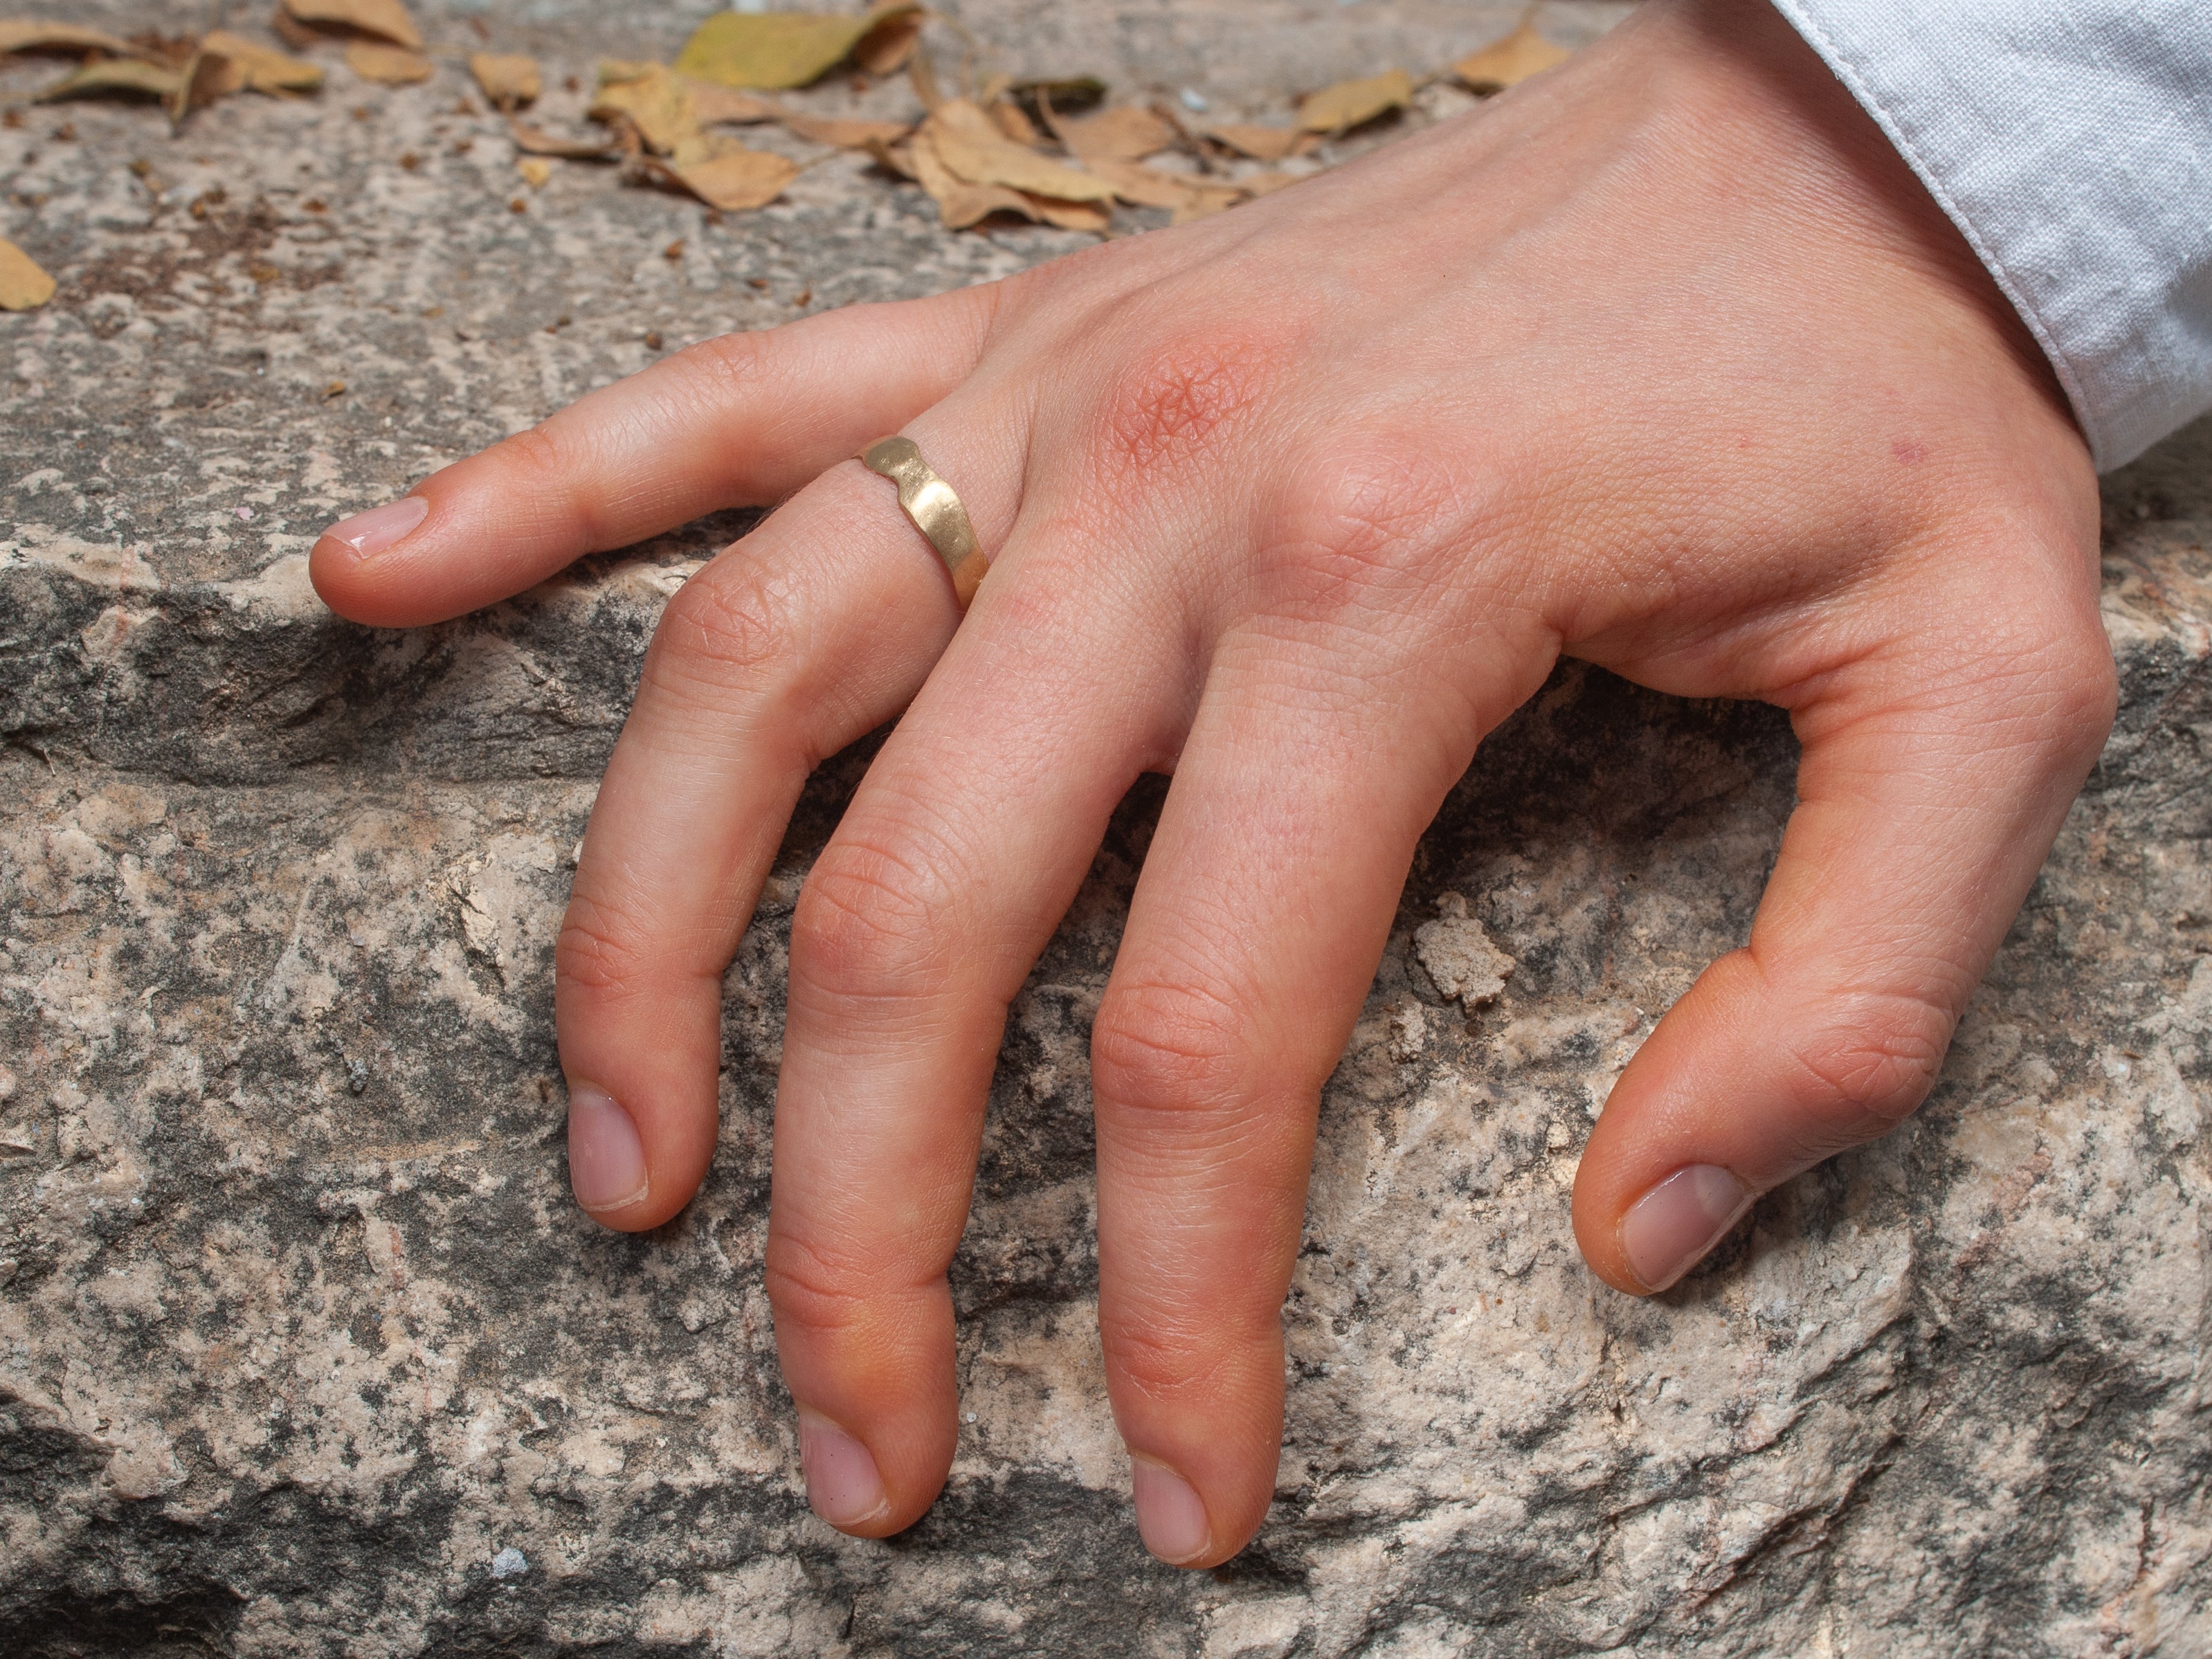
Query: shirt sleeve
x: 2071, y: 141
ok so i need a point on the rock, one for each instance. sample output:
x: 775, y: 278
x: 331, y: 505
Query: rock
x: 1461, y: 962
x: 304, y: 1350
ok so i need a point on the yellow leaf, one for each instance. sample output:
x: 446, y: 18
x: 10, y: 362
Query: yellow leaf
x: 615, y: 70
x: 658, y: 104
x: 388, y: 66
x: 23, y: 286
x: 846, y: 133
x: 30, y: 34
x: 961, y: 203
x: 387, y: 20
x: 535, y: 170
x: 509, y: 81
x: 1351, y: 103
x: 972, y: 148
x: 117, y: 75
x: 1261, y: 143
x: 1123, y: 133
x: 723, y: 174
x: 1509, y: 62
x: 266, y: 69
x: 776, y: 49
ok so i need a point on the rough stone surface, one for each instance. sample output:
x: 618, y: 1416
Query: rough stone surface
x: 303, y: 1350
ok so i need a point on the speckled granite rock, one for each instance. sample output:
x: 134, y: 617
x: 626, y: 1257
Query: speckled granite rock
x: 303, y: 1351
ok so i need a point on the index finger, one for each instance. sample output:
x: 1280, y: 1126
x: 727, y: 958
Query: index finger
x: 742, y: 420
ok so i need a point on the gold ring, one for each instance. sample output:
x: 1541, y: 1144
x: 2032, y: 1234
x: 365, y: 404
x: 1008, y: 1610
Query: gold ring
x: 935, y: 510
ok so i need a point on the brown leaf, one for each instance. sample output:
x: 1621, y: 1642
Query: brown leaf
x: 509, y: 81
x: 1353, y: 103
x: 1206, y: 203
x: 724, y: 174
x: 726, y: 105
x: 845, y: 133
x: 974, y: 150
x: 1267, y: 183
x: 23, y: 286
x: 116, y: 75
x: 1014, y: 125
x: 1126, y: 132
x: 1261, y: 143
x: 784, y: 49
x: 387, y: 20
x: 886, y: 48
x: 961, y: 203
x: 1509, y: 62
x: 208, y: 75
x: 899, y: 158
x: 266, y: 70
x: 31, y: 34
x: 658, y: 104
x: 536, y: 141
x: 1144, y: 187
x: 388, y: 66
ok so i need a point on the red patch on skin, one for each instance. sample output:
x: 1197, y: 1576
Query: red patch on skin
x: 1910, y: 452
x: 1169, y: 406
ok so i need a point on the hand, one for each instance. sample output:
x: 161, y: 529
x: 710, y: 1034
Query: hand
x: 1663, y: 362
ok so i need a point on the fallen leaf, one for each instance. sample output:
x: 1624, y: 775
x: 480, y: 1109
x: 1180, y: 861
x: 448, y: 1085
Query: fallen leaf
x: 899, y: 158
x: 266, y: 70
x: 1509, y: 62
x: 23, y: 286
x: 724, y: 174
x: 658, y: 104
x: 535, y: 170
x: 1014, y: 125
x: 1267, y: 183
x: 887, y: 48
x: 1205, y: 203
x: 1261, y: 143
x: 974, y: 149
x: 30, y: 34
x: 388, y: 66
x: 718, y: 106
x: 387, y: 20
x: 961, y: 202
x: 846, y: 133
x: 208, y: 75
x: 1144, y: 187
x: 509, y: 81
x: 536, y: 141
x: 784, y: 49
x: 613, y: 71
x: 1353, y: 103
x: 116, y: 75
x: 1126, y: 132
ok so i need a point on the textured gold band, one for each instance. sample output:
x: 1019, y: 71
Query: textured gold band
x: 935, y: 510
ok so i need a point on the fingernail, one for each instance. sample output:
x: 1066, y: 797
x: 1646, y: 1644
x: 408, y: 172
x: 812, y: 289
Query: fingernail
x: 1170, y: 1516
x: 1670, y: 1227
x: 606, y: 1160
x: 369, y: 533
x: 842, y: 1482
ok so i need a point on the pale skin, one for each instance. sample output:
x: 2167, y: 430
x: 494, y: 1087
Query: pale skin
x: 1662, y: 361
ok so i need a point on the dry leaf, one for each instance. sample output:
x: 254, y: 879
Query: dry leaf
x: 974, y: 149
x: 1353, y: 103
x: 388, y: 66
x: 1206, y: 203
x: 30, y: 34
x: 1144, y: 187
x: 265, y: 69
x: 961, y: 203
x: 535, y: 170
x: 784, y: 49
x: 615, y: 70
x: 658, y: 104
x: 1126, y: 132
x: 726, y: 105
x: 1261, y: 143
x: 1509, y: 62
x: 387, y: 20
x: 886, y: 48
x: 536, y: 141
x: 509, y: 81
x: 1013, y: 124
x: 845, y: 133
x: 207, y: 76
x: 724, y: 174
x: 23, y: 286
x: 899, y: 158
x: 1267, y: 183
x: 116, y: 75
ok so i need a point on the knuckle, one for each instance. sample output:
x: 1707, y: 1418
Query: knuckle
x: 812, y: 1291
x: 1355, y: 526
x: 1162, y: 1359
x: 729, y: 628
x: 1172, y: 1051
x: 866, y: 927
x: 601, y: 948
x: 1867, y: 1074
